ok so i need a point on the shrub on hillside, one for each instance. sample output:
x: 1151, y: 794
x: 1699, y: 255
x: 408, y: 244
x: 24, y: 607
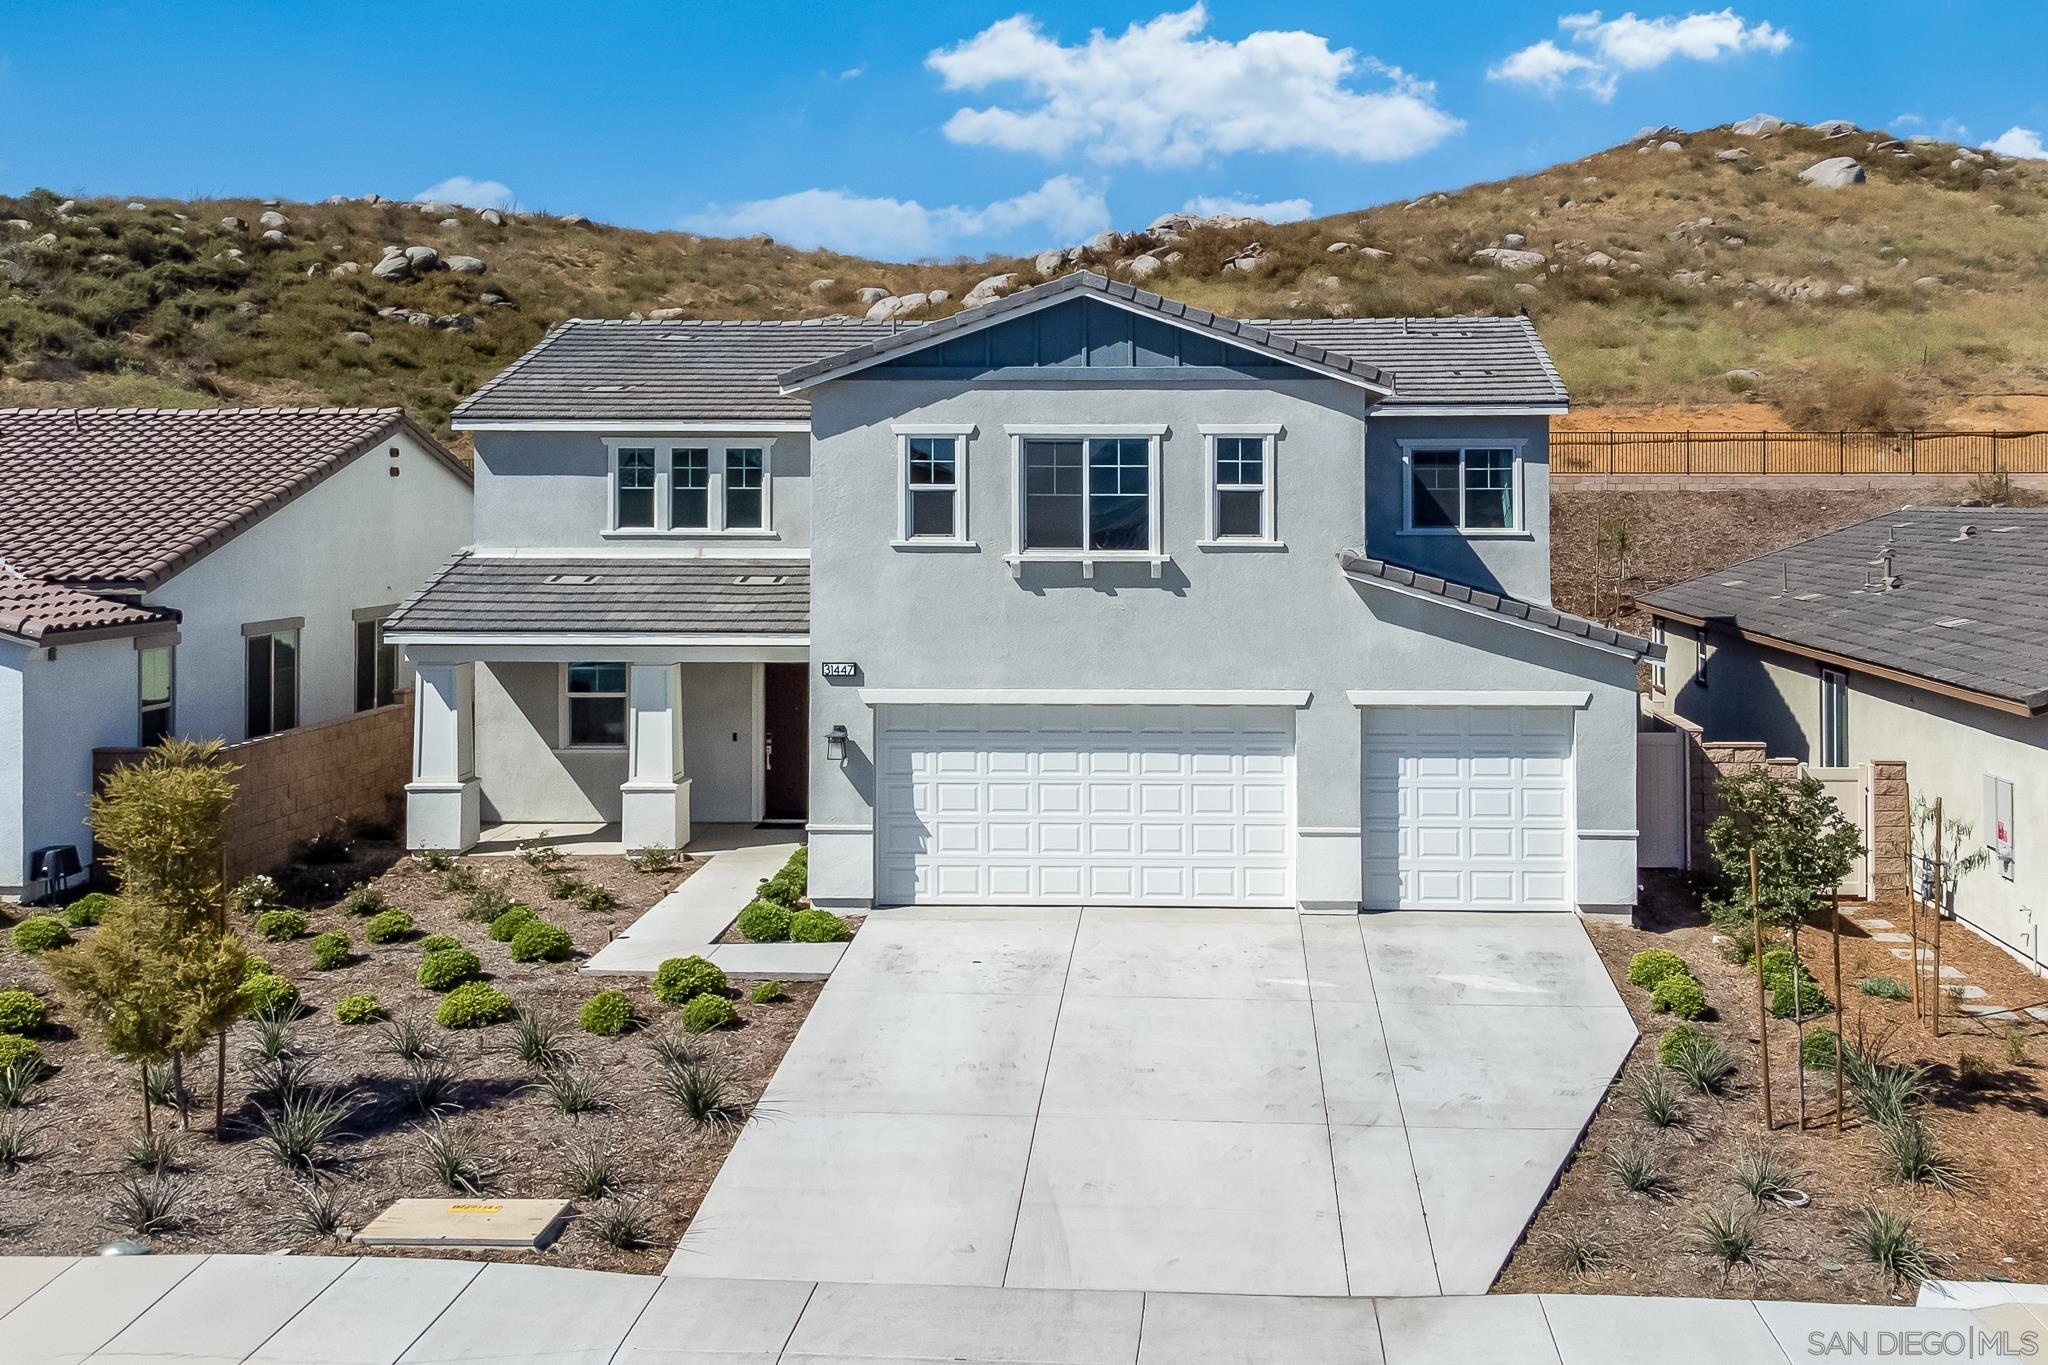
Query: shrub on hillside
x: 363, y: 899
x: 330, y: 950
x: 388, y: 926
x: 607, y: 1014
x: 1677, y: 1039
x: 22, y: 1011
x: 434, y: 943
x: 540, y: 941
x: 446, y: 968
x: 708, y: 1012
x: 511, y: 922
x: 16, y: 1050
x: 1652, y: 965
x: 39, y: 934
x: 87, y: 910
x: 281, y: 925
x: 1679, y: 996
x: 361, y: 1008
x: 475, y: 1004
x: 267, y: 993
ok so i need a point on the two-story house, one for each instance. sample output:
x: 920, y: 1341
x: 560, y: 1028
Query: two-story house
x: 1080, y: 597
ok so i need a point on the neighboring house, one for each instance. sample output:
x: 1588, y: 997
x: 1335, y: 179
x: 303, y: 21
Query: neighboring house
x: 212, y: 573
x: 1919, y: 635
x: 1083, y: 596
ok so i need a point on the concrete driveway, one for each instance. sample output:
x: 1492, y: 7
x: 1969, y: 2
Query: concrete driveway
x: 1223, y: 1101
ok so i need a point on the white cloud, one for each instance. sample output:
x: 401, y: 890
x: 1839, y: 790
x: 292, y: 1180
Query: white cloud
x: 1064, y: 207
x: 1271, y: 211
x: 2017, y: 141
x: 853, y: 73
x: 475, y: 194
x: 1161, y: 93
x: 1602, y: 49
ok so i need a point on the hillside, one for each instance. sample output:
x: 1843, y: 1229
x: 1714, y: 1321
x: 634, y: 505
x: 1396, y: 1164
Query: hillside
x: 1667, y: 264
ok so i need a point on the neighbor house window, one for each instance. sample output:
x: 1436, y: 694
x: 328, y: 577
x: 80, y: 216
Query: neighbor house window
x: 690, y: 488
x: 633, y: 507
x: 1834, y: 718
x: 1088, y: 495
x: 376, y: 665
x: 1240, y: 488
x: 157, y: 678
x: 1463, y: 488
x: 1658, y: 677
x: 1699, y: 674
x: 746, y: 478
x: 933, y: 505
x: 271, y: 683
x: 597, y: 705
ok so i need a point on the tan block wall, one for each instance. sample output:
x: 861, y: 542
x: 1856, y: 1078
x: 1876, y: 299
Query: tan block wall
x: 1891, y: 826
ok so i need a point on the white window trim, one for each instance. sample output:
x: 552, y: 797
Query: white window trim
x: 1702, y: 655
x: 1155, y: 555
x: 1831, y: 736
x: 294, y: 626
x: 1660, y: 678
x: 665, y: 449
x: 143, y: 645
x: 563, y: 745
x: 1463, y: 445
x: 1267, y: 538
x: 960, y: 539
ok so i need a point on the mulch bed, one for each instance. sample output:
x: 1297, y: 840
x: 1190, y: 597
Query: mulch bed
x: 1996, y: 1127
x: 235, y: 1199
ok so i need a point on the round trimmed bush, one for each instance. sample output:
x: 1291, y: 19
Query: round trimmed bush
x: 363, y: 899
x: 1679, y: 996
x: 708, y: 1012
x: 764, y: 921
x: 22, y: 1012
x: 269, y: 993
x: 281, y: 925
x: 607, y: 1014
x: 446, y: 968
x: 474, y: 1004
x: 1817, y: 1050
x: 818, y: 926
x: 434, y: 943
x: 507, y: 926
x: 1652, y: 965
x: 15, y: 1050
x: 88, y: 909
x: 39, y: 934
x: 330, y: 950
x: 253, y: 966
x: 767, y: 993
x: 1677, y: 1040
x: 388, y: 926
x: 542, y: 942
x: 1810, y: 1000
x: 361, y: 1008
x: 784, y: 888
x: 681, y: 979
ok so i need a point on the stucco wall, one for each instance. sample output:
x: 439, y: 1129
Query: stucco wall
x: 13, y: 858
x: 1517, y: 563
x: 84, y: 697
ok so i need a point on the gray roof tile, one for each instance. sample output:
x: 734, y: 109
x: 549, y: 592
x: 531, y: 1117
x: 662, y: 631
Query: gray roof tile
x: 1363, y: 566
x: 612, y: 595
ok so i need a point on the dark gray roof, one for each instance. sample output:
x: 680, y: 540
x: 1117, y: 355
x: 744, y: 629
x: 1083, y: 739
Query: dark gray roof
x: 1969, y: 611
x: 1442, y: 361
x: 1363, y: 566
x: 613, y: 595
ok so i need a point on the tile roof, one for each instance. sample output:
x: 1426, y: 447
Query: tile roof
x: 132, y: 495
x: 610, y: 595
x: 1360, y: 565
x: 1966, y: 610
x: 734, y: 371
x: 33, y: 610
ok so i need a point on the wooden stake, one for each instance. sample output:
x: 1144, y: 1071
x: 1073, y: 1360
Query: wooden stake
x: 1938, y: 898
x: 1799, y: 1022
x: 1840, y: 1005
x: 148, y: 1121
x: 1763, y: 1010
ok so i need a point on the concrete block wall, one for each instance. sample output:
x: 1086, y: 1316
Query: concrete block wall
x: 1891, y: 826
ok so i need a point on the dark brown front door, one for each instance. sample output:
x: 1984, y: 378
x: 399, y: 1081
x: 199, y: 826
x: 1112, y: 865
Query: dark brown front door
x: 786, y: 742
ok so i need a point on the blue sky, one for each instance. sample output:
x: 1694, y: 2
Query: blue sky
x: 911, y: 130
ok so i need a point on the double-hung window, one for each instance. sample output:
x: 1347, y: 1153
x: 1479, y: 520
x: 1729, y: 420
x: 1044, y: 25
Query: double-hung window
x: 1659, y: 677
x: 157, y: 669
x: 1089, y: 495
x: 596, y: 704
x: 934, y: 487
x: 376, y: 662
x: 1458, y: 489
x: 746, y: 481
x: 690, y: 488
x: 633, y: 505
x: 1240, y: 485
x: 271, y: 678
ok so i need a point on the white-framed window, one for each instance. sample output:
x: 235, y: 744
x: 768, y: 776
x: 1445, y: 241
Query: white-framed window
x: 1659, y: 678
x: 271, y: 676
x: 156, y: 670
x: 932, y: 482
x: 1453, y: 488
x: 697, y: 487
x: 1240, y: 476
x: 594, y: 705
x: 1834, y: 718
x: 1705, y: 655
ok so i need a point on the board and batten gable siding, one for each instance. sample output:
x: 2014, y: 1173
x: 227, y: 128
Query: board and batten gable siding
x: 552, y: 490
x: 1083, y: 334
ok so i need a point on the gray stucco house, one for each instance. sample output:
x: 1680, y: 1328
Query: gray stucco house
x: 1081, y: 596
x: 1919, y: 635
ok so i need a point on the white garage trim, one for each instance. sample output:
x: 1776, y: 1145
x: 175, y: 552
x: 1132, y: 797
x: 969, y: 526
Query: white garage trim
x: 1038, y: 696
x: 1574, y: 700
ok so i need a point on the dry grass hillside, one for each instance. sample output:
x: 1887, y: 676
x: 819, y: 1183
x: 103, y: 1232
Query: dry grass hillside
x: 1666, y: 265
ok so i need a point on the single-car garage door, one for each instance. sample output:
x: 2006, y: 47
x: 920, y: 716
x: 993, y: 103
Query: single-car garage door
x: 1098, y: 805
x: 1468, y: 808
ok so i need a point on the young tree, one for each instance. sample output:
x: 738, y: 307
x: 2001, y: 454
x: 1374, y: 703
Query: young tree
x: 1961, y: 854
x: 1804, y: 846
x: 116, y: 981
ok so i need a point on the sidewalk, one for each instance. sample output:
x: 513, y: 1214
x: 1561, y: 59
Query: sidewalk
x: 319, y: 1310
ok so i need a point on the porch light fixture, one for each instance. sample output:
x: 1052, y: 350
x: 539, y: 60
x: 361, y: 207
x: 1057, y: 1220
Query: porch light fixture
x: 835, y: 744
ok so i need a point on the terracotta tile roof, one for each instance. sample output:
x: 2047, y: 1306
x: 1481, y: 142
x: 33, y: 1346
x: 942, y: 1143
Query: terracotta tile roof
x: 33, y: 610
x: 132, y: 495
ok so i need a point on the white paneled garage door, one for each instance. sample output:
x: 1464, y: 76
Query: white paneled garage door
x: 1468, y: 808
x: 1095, y: 805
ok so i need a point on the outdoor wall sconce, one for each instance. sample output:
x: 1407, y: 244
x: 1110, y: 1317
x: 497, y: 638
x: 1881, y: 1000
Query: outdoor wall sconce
x: 835, y: 744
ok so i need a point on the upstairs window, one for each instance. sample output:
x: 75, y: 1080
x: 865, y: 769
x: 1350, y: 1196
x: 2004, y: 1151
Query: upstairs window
x: 1240, y: 488
x: 1055, y: 496
x: 596, y: 703
x: 690, y: 488
x: 271, y: 679
x: 1089, y: 495
x: 1659, y: 675
x: 746, y: 476
x: 1463, y: 489
x: 157, y: 667
x: 934, y: 498
x: 702, y: 488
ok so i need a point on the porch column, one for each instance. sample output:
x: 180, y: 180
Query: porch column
x: 654, y: 804
x: 442, y: 802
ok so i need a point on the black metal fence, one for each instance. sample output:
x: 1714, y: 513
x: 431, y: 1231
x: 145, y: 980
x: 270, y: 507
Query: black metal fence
x: 1799, y: 452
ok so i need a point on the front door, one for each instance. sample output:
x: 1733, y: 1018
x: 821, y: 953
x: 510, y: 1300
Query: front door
x: 785, y: 742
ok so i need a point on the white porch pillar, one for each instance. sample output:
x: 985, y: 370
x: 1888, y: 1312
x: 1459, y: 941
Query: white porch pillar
x: 654, y: 805
x: 442, y: 802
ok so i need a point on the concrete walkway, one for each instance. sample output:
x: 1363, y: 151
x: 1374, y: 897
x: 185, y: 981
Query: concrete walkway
x: 1212, y: 1101
x: 313, y: 1310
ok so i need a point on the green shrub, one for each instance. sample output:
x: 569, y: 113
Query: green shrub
x: 88, y: 909
x: 254, y: 895
x: 388, y: 926
x: 1676, y: 1039
x: 594, y: 899
x: 1809, y: 1003
x: 281, y: 925
x: 446, y: 968
x: 22, y: 1012
x: 1817, y: 1050
x: 708, y: 1012
x: 269, y: 993
x: 764, y: 921
x: 560, y: 883
x: 1679, y: 996
x: 253, y: 966
x: 39, y: 934
x: 607, y: 1014
x: 363, y: 899
x: 511, y: 922
x: 487, y: 901
x: 818, y: 926
x: 655, y: 858
x: 767, y: 993
x: 542, y: 942
x: 361, y: 1008
x: 1885, y: 988
x: 330, y: 950
x: 1652, y: 965
x: 476, y: 1004
x: 16, y: 1050
x: 682, y: 979
x: 434, y: 943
